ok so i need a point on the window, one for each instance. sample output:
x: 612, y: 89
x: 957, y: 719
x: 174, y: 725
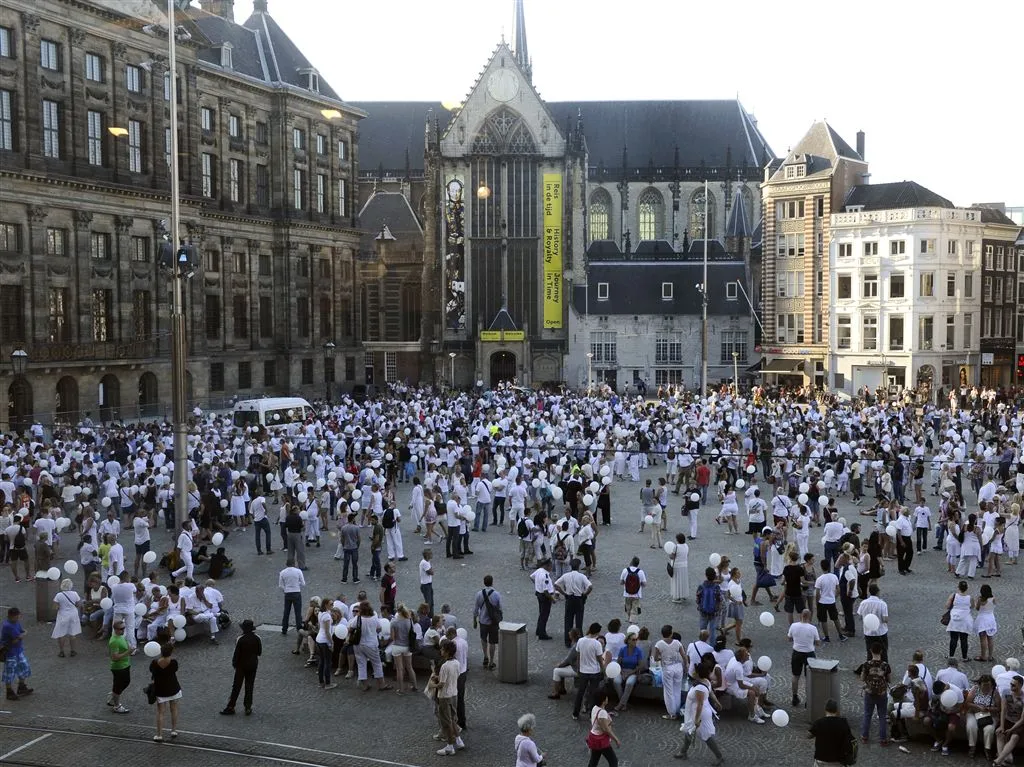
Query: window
x: 667, y: 350
x: 49, y: 55
x: 60, y: 322
x: 897, y: 286
x: 10, y: 238
x: 845, y: 250
x: 733, y: 341
x: 235, y: 180
x: 789, y: 209
x: 262, y: 135
x: 135, y: 146
x: 790, y: 329
x: 817, y: 328
x: 390, y: 367
x: 269, y: 373
x: 212, y: 316
x: 167, y: 147
x: 604, y: 347
x: 99, y: 246
x: 95, y: 137
x: 350, y: 368
x: 952, y: 247
x: 790, y: 245
x: 897, y: 247
x: 650, y: 207
x: 167, y: 86
x: 986, y: 288
x: 870, y: 333
x: 140, y: 249
x: 325, y: 268
x: 950, y: 331
x: 262, y: 185
x: 896, y: 333
x: 56, y: 242
x: 342, y: 149
x: 264, y: 265
x: 927, y: 247
x: 1010, y: 260
x: 240, y: 314
x: 927, y: 284
x: 12, y: 313
x: 216, y: 376
x: 212, y: 260
x: 844, y: 333
x: 133, y: 78
x: 302, y: 266
x: 988, y: 257
x: 998, y: 297
x: 732, y: 291
x: 1000, y: 263
x: 326, y: 317
x: 925, y: 332
x: 298, y: 184
x: 307, y: 372
x: 668, y: 377
x: 819, y: 207
x: 102, y: 315
x: 969, y: 248
x: 226, y: 61
x: 51, y: 129
x: 950, y: 284
x: 7, y: 121
x: 234, y: 126
x: 298, y: 139
x: 968, y: 331
x: 602, y: 291
x: 6, y: 44
x: 870, y: 286
x: 666, y: 291
x: 266, y: 317
x: 844, y: 286
x: 93, y: 67
x: 342, y: 198
x: 207, y: 169
x: 600, y: 208
x: 790, y: 284
x: 244, y: 375
x: 870, y: 248
x: 321, y: 193
x: 968, y: 286
x: 321, y: 144
x: 302, y: 316
x: 142, y: 314
x: 206, y: 118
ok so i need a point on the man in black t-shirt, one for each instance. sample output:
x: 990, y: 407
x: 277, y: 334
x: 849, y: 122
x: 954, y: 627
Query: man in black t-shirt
x: 832, y: 737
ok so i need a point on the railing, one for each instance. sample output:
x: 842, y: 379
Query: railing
x: 904, y: 214
x: 49, y: 353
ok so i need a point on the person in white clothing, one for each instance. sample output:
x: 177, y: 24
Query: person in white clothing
x: 669, y: 652
x: 393, y: 536
x: 738, y: 685
x: 804, y: 638
x: 202, y: 607
x: 826, y: 587
x: 184, y: 548
x: 123, y: 597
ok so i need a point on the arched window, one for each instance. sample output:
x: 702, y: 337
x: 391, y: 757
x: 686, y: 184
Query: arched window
x: 600, y: 215
x: 651, y: 214
x: 504, y: 132
x: 697, y: 227
x: 749, y: 207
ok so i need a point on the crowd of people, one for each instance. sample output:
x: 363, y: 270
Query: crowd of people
x: 540, y: 466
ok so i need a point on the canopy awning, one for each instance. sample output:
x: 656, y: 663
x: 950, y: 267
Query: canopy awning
x: 784, y: 366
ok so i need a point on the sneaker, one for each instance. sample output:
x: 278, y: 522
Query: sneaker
x: 843, y: 637
x: 228, y: 712
x: 795, y: 701
x: 459, y: 745
x: 356, y: 580
x: 119, y: 709
x: 827, y: 639
x: 110, y: 701
x: 349, y: 675
x: 936, y: 746
x: 945, y: 750
x: 446, y: 751
x: 330, y: 686
x: 760, y: 712
x: 755, y: 719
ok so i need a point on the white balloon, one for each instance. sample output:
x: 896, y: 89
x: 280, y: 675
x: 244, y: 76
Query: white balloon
x: 767, y: 619
x: 823, y: 500
x: 891, y: 531
x: 178, y: 621
x: 180, y: 635
x: 112, y: 581
x: 71, y: 567
x: 751, y: 469
x: 556, y: 492
x: 304, y: 514
x: 303, y: 497
x: 605, y: 470
x: 740, y: 484
x: 612, y: 670
x: 106, y: 603
x: 871, y: 622
x: 354, y: 506
x: 780, y: 718
x: 469, y: 516
x: 997, y: 670
x: 804, y: 487
x: 670, y: 547
x: 53, y: 573
x: 803, y: 499
x: 140, y: 609
x: 606, y: 480
x: 715, y: 559
x: 216, y: 540
x: 948, y: 698
x: 223, y: 503
x: 535, y: 482
x: 150, y: 556
x: 341, y: 631
x: 152, y: 649
x: 648, y: 520
x: 695, y: 497
x: 764, y: 663
x: 588, y: 499
x: 357, y: 494
x: 105, y: 502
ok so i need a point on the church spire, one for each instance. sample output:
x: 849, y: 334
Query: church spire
x: 519, y: 40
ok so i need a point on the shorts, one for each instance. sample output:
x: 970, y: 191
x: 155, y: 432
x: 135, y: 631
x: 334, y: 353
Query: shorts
x: 489, y: 633
x: 122, y: 678
x: 19, y: 554
x: 798, y: 662
x: 16, y: 667
x: 633, y: 604
x: 827, y: 612
x: 753, y: 528
x: 795, y: 604
x: 141, y: 548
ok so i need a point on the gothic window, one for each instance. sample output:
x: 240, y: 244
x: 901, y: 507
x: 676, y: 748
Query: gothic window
x: 749, y: 207
x: 651, y: 214
x: 600, y: 215
x: 697, y: 228
x: 504, y: 133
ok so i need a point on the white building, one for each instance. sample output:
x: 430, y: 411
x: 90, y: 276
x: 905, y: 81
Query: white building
x: 905, y: 269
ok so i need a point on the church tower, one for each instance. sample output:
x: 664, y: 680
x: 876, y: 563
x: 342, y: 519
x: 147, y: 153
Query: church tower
x: 522, y: 51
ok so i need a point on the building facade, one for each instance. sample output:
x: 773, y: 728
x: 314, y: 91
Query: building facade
x: 268, y: 160
x: 1000, y: 298
x: 799, y: 195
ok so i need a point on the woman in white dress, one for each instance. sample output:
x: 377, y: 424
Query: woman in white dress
x: 985, y: 622
x: 970, y: 550
x: 699, y: 717
x: 730, y: 508
x: 1011, y: 538
x: 239, y: 500
x: 961, y: 625
x: 952, y: 542
x: 679, y: 581
x: 69, y: 621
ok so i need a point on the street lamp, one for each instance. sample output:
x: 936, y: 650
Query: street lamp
x: 736, y: 373
x: 483, y: 191
x: 329, y: 351
x: 590, y: 362
x: 451, y: 356
x: 19, y: 361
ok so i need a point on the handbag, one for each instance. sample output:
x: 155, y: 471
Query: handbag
x: 851, y: 752
x: 598, y: 741
x: 944, y: 620
x: 150, y: 691
x: 671, y: 570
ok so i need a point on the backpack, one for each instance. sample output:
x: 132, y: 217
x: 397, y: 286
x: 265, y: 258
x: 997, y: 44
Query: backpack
x: 709, y: 596
x: 560, y: 552
x: 19, y: 538
x: 874, y: 677
x: 388, y: 520
x: 493, y: 611
x: 632, y: 583
x: 521, y: 529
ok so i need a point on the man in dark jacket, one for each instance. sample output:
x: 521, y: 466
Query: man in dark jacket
x: 245, y: 661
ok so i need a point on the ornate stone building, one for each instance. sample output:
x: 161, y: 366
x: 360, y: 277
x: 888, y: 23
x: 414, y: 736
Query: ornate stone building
x: 268, y: 157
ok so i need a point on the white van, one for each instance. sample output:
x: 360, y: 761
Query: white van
x: 271, y: 412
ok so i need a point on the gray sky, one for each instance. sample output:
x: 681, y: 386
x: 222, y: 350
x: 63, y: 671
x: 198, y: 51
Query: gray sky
x: 931, y: 83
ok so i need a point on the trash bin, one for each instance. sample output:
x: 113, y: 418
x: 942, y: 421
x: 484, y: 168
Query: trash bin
x: 46, y: 590
x: 822, y: 684
x: 512, y: 652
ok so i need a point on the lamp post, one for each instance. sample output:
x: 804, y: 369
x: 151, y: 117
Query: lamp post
x: 451, y: 356
x: 19, y: 361
x: 590, y: 377
x: 736, y: 373
x: 329, y: 351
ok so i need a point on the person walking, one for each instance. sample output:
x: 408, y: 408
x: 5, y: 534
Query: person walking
x: 669, y: 652
x: 804, y: 638
x: 258, y: 509
x: 291, y: 580
x: 120, y: 666
x: 487, y: 614
x: 444, y: 684
x: 426, y: 569
x: 527, y: 753
x: 575, y: 587
x: 69, y: 621
x: 633, y: 580
x: 601, y: 734
x: 183, y: 546
x: 293, y: 525
x: 245, y: 661
x: 875, y: 674
x: 164, y: 673
x: 960, y: 624
x: 350, y: 539
x: 874, y: 605
x: 699, y: 712
x: 679, y: 576
x: 832, y: 737
x: 544, y: 589
x: 16, y: 665
x: 591, y: 666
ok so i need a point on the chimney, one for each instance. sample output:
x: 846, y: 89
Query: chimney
x: 223, y: 8
x: 860, y: 144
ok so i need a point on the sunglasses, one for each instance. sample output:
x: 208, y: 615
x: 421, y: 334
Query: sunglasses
x: 118, y: 628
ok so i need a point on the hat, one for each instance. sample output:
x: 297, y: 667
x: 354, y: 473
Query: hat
x: 247, y: 625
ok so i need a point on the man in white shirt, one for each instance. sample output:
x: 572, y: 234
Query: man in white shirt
x: 481, y: 489
x: 633, y: 580
x: 140, y: 526
x: 544, y: 589
x: 826, y: 588
x: 737, y: 685
x: 517, y: 494
x: 804, y: 638
x: 591, y: 663
x: 904, y: 542
x: 115, y: 557
x: 203, y: 608
x: 184, y: 547
x: 873, y: 605
x: 110, y: 526
x: 291, y: 580
x: 922, y: 523
x: 575, y: 587
x: 952, y: 674
x: 258, y: 509
x: 123, y: 597
x: 427, y: 579
x: 833, y: 532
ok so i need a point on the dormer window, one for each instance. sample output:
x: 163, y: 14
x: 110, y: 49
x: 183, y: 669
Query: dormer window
x: 796, y: 171
x: 311, y: 78
x: 225, y: 56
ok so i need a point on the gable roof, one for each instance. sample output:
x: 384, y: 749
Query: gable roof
x: 391, y: 128
x: 992, y: 215
x: 899, y: 194
x: 821, y: 149
x: 636, y: 288
x: 389, y: 210
x: 283, y: 58
x: 737, y: 225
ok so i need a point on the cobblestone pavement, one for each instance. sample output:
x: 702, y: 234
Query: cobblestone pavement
x: 296, y: 722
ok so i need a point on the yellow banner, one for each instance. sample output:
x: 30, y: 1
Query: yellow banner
x: 552, y: 250
x: 502, y: 335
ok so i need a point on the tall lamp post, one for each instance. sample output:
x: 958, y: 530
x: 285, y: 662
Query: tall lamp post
x: 451, y: 356
x: 19, y: 363
x: 330, y: 349
x: 590, y: 374
x: 736, y: 373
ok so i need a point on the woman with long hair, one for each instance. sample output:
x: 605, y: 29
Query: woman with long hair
x: 985, y: 622
x: 970, y: 549
x: 960, y: 623
x: 601, y: 734
x: 402, y: 640
x: 164, y: 673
